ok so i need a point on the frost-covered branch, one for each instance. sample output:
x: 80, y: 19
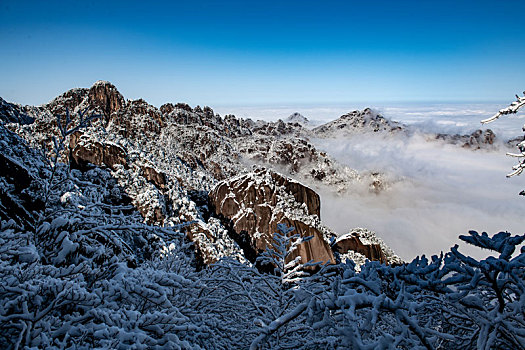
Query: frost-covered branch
x: 276, y: 324
x: 59, y: 144
x: 512, y: 109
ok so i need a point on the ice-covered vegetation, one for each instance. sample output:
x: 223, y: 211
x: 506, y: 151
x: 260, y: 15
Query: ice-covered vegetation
x: 75, y: 283
x: 512, y: 109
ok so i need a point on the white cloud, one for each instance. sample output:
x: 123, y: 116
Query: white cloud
x: 439, y: 192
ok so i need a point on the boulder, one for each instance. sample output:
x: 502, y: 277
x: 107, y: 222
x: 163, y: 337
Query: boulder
x: 353, y: 242
x: 85, y: 151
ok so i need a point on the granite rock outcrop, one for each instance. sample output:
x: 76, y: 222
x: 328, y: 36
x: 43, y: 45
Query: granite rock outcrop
x: 255, y: 203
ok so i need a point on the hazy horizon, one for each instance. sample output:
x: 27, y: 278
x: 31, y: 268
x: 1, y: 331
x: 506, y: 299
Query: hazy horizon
x: 429, y: 116
x: 224, y: 106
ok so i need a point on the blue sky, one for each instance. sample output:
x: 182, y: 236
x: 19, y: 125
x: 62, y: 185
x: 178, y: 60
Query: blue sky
x: 265, y: 52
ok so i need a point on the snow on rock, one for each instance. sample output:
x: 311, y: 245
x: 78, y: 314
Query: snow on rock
x: 21, y: 183
x: 70, y: 100
x: 278, y: 128
x: 295, y: 156
x: 297, y: 118
x: 357, y: 258
x: 476, y: 140
x: 367, y: 244
x: 354, y: 122
x: 110, y: 255
x: 166, y: 160
x: 353, y: 242
x: 13, y: 113
x: 88, y: 150
x: 254, y: 204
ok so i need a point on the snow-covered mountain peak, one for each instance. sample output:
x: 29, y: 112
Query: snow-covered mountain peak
x: 354, y: 122
x: 297, y: 118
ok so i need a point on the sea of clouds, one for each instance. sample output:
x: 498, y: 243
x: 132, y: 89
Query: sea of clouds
x: 437, y: 191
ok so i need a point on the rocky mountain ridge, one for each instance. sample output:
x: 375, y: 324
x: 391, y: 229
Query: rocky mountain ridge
x: 366, y: 120
x: 167, y: 160
x: 124, y: 225
x: 370, y: 121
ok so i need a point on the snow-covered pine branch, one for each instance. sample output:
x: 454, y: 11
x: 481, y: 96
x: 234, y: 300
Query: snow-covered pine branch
x: 512, y: 109
x: 279, y: 255
x: 59, y: 144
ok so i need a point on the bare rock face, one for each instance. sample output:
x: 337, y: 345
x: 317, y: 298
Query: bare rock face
x: 106, y: 97
x: 84, y: 151
x: 352, y: 241
x: 256, y: 202
x: 155, y: 177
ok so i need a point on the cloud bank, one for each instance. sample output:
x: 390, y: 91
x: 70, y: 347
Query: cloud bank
x: 437, y: 192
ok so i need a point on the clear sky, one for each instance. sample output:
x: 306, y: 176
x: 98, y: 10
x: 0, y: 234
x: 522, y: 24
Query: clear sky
x: 264, y: 52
